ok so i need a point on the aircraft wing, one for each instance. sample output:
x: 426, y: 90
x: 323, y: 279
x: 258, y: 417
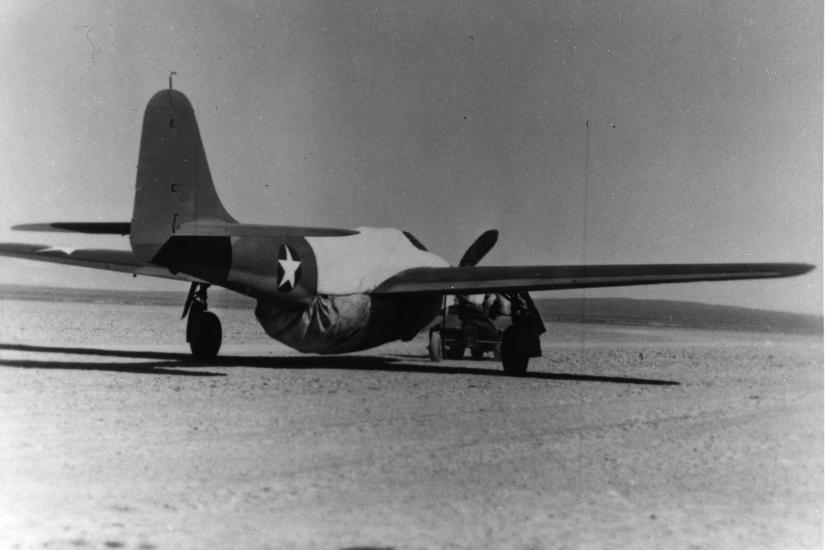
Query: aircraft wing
x: 199, y: 229
x: 477, y: 280
x: 97, y: 228
x: 112, y: 260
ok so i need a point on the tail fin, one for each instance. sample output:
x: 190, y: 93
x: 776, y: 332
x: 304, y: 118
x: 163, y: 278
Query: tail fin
x: 173, y: 185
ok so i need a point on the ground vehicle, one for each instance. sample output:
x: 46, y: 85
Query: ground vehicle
x: 509, y: 325
x: 464, y: 325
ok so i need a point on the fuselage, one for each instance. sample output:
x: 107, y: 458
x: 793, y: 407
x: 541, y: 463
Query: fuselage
x: 313, y: 293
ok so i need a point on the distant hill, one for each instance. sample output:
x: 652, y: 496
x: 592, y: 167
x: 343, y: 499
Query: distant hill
x: 616, y: 311
x: 627, y: 311
x: 218, y: 297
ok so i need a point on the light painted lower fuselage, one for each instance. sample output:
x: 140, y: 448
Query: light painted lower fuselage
x: 342, y: 316
x: 345, y: 323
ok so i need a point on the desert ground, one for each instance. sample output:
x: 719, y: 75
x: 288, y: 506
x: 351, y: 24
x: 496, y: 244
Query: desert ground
x: 619, y: 437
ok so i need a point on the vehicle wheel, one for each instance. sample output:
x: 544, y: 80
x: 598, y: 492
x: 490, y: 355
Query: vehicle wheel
x: 477, y: 352
x: 205, y: 335
x: 512, y: 362
x: 455, y: 351
x: 436, y: 353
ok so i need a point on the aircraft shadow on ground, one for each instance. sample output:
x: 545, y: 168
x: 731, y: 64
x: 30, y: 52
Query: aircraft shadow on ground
x: 165, y: 363
x: 179, y: 363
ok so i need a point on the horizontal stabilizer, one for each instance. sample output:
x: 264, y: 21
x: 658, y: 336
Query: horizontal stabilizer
x: 200, y: 229
x: 112, y: 260
x: 192, y: 229
x: 98, y: 228
x: 477, y: 280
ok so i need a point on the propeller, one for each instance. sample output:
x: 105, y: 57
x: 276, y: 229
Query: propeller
x: 521, y: 299
x: 480, y: 247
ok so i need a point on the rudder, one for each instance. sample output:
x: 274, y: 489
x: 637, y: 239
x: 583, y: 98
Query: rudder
x: 173, y: 184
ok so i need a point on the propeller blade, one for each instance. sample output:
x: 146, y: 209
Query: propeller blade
x: 479, y: 248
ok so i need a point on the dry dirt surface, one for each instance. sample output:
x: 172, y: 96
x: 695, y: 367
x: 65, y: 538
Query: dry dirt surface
x: 619, y: 437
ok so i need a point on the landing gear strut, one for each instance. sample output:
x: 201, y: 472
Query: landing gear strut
x: 203, y: 328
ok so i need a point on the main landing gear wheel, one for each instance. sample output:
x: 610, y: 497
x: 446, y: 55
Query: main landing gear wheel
x: 513, y: 362
x: 520, y: 341
x: 205, y: 335
x: 203, y: 328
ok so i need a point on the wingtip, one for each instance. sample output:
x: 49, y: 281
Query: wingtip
x: 42, y: 227
x: 794, y: 269
x: 99, y: 228
x: 806, y: 268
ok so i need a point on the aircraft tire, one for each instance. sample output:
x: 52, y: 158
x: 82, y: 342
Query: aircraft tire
x: 205, y: 335
x: 513, y: 363
x: 477, y: 352
x: 434, y: 347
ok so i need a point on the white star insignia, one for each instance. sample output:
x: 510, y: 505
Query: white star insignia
x: 289, y: 266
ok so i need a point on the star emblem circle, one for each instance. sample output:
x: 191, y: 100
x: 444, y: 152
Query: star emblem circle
x: 289, y: 268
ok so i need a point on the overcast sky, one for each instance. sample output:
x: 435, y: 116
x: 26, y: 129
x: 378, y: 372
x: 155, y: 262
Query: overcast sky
x: 444, y: 119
